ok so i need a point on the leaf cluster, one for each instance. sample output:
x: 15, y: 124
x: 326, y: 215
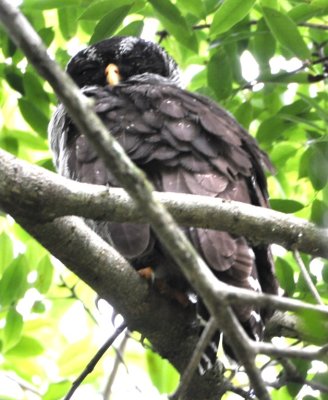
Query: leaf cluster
x: 283, y: 43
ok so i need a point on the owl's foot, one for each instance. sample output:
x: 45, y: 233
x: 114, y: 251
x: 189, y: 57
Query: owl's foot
x: 162, y: 286
x: 147, y: 273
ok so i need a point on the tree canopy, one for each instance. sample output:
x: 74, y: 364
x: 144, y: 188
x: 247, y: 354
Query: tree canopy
x: 266, y: 62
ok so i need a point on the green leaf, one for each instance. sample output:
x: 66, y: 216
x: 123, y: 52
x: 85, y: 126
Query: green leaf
x: 14, y: 78
x: 9, y: 144
x: 315, y: 325
x: 39, y: 307
x: 195, y: 7
x: 298, y: 107
x: 164, y: 377
x: 8, y: 47
x: 232, y: 51
x: 27, y: 139
x: 75, y: 355
x: 285, y: 275
x: 324, y: 272
x: 302, y: 366
x: 27, y: 347
x: 47, y: 35
x: 244, y: 114
x: 45, y: 274
x: 133, y: 29
x: 67, y: 18
x: 34, y: 117
x: 270, y: 3
x: 323, y: 114
x: 302, y: 12
x: 319, y: 213
x: 174, y: 22
x: 271, y: 129
x: 319, y: 3
x: 282, y: 152
x: 219, y: 75
x: 318, y: 167
x: 13, y: 329
x: 109, y: 23
x: 229, y: 13
x: 280, y: 394
x: 285, y: 30
x: 57, y: 391
x: 286, y: 205
x: 35, y: 93
x: 13, y: 283
x: 264, y: 43
x: 97, y: 9
x: 6, y: 251
x: 321, y: 377
x: 31, y: 5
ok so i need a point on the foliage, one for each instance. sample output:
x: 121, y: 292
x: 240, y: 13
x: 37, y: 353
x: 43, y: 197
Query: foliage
x: 282, y: 44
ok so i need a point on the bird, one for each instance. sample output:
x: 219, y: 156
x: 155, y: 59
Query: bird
x: 185, y: 143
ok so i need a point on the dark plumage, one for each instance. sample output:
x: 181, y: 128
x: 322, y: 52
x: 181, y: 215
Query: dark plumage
x: 185, y: 143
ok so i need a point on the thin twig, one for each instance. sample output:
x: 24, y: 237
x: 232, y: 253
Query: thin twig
x: 203, y: 342
x: 118, y: 361
x: 76, y: 297
x: 246, y: 394
x: 244, y: 350
x: 283, y: 75
x: 306, y: 354
x: 93, y: 362
x: 314, y: 26
x: 291, y: 375
x: 306, y: 277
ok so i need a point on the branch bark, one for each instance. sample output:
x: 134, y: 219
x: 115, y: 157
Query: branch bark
x: 49, y: 196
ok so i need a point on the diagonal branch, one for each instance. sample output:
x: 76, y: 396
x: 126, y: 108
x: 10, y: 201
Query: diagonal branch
x: 133, y: 180
x: 307, y: 277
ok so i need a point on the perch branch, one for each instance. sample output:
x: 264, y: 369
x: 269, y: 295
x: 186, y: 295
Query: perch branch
x: 49, y: 196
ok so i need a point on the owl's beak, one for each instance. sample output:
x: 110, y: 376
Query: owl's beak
x: 112, y: 73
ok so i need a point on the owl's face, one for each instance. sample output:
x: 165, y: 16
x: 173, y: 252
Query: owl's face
x: 131, y: 55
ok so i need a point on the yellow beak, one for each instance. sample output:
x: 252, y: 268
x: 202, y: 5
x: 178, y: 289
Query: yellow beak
x: 112, y: 73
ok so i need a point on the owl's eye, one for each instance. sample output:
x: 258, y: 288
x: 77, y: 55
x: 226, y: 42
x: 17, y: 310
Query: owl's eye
x: 87, y: 69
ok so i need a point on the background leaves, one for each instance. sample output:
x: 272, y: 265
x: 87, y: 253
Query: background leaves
x: 284, y: 105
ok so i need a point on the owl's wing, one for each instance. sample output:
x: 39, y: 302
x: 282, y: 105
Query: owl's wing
x: 187, y: 144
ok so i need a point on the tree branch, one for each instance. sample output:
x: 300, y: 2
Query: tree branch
x: 94, y: 361
x: 307, y: 277
x: 291, y: 352
x: 49, y: 196
x: 169, y: 327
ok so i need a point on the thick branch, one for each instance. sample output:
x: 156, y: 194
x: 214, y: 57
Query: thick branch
x: 28, y: 191
x: 37, y: 191
x: 169, y: 327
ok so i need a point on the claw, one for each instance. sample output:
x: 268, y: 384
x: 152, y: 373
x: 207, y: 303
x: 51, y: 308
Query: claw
x: 147, y: 273
x: 163, y: 288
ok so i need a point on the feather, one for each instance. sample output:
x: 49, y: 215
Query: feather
x: 186, y: 144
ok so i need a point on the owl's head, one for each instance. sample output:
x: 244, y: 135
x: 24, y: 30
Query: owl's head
x: 125, y: 56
